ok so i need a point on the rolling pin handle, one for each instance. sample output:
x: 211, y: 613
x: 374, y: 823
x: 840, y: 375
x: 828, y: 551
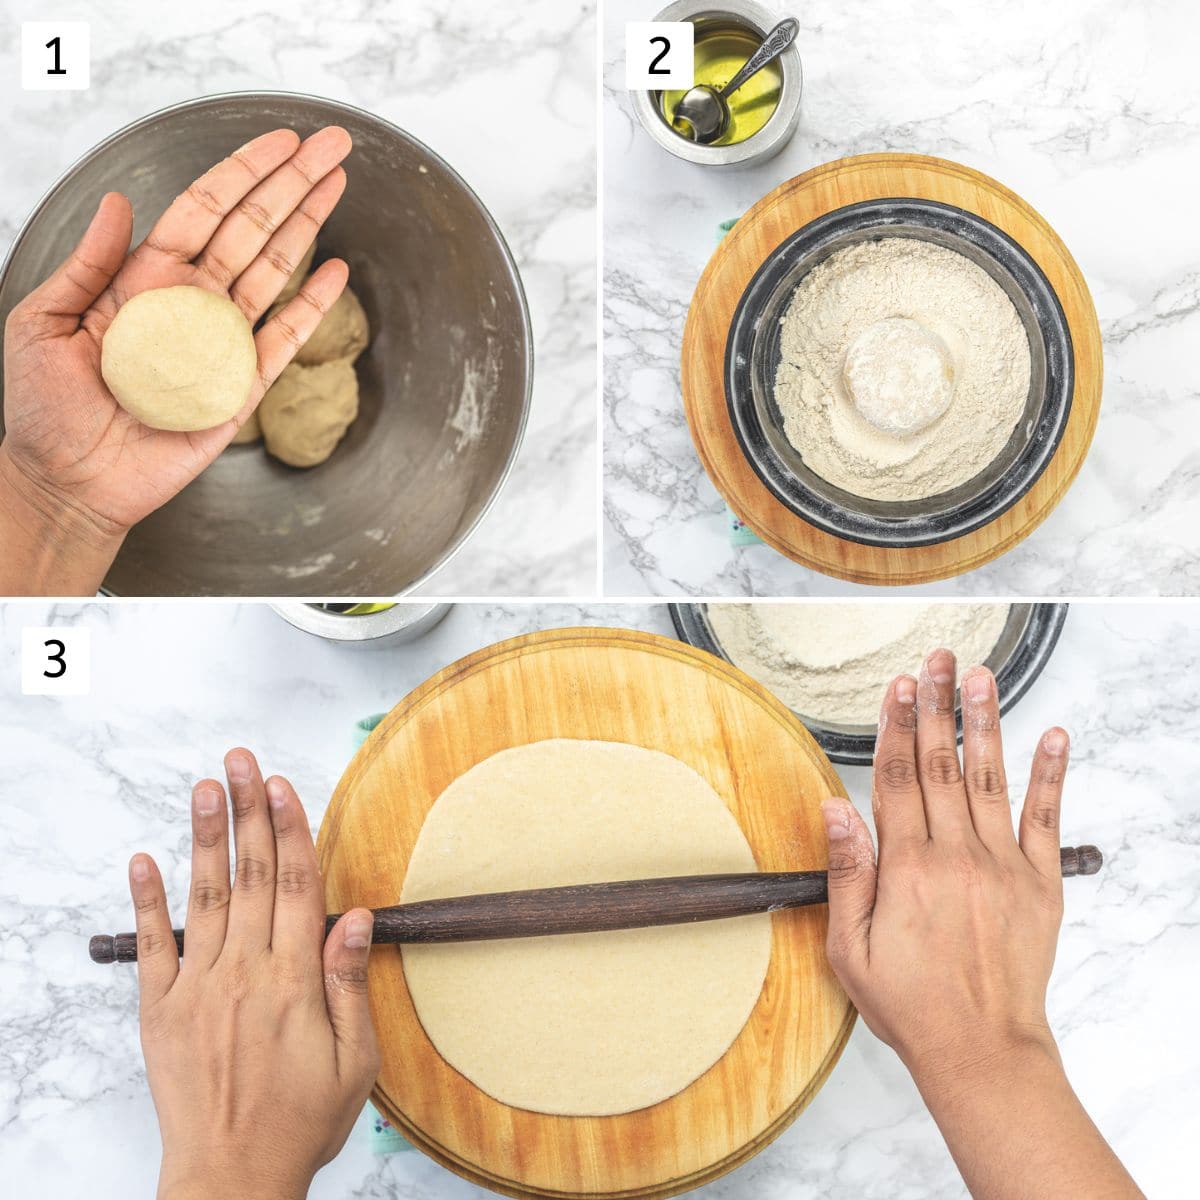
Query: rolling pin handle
x: 1080, y: 860
x: 122, y: 947
x: 103, y: 948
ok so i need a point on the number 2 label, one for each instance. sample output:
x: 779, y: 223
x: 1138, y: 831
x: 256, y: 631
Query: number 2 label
x: 658, y: 54
x: 56, y: 661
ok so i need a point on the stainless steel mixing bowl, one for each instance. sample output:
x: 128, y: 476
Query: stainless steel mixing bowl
x: 753, y: 354
x: 1024, y: 648
x: 444, y: 384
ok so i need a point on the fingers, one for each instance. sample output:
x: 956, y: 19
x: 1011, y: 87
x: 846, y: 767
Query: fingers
x: 983, y: 762
x: 158, y: 956
x: 258, y: 286
x: 288, y: 330
x: 208, y: 899
x: 298, y: 928
x: 186, y: 227
x: 88, y: 270
x: 252, y: 903
x: 938, y: 768
x: 1043, y: 804
x: 242, y: 235
x: 852, y: 875
x: 347, y: 950
x: 895, y: 793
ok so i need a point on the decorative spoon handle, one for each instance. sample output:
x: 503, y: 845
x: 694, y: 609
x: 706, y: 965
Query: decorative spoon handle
x: 587, y: 907
x: 775, y: 43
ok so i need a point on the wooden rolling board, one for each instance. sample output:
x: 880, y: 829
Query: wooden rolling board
x: 744, y: 249
x: 611, y: 685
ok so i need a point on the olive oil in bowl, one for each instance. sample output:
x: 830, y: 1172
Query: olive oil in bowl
x: 721, y: 49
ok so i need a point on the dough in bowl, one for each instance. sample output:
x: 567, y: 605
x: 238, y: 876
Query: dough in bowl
x: 596, y: 1023
x: 179, y: 358
x: 342, y: 333
x: 251, y: 431
x: 307, y: 411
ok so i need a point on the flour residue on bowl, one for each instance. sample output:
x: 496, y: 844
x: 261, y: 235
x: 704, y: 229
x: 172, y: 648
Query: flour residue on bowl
x: 480, y: 378
x: 832, y: 662
x: 904, y: 369
x: 313, y: 565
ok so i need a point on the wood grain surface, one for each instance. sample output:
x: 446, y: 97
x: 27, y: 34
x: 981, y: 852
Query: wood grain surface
x: 744, y: 249
x: 611, y: 685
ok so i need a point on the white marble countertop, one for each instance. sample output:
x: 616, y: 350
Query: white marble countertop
x: 433, y: 70
x: 1089, y: 110
x: 92, y: 779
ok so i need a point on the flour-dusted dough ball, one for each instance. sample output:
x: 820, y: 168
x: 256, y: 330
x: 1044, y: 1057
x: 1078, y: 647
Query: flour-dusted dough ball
x: 297, y: 276
x: 307, y: 410
x: 899, y: 375
x: 343, y: 333
x: 179, y: 358
x: 251, y: 431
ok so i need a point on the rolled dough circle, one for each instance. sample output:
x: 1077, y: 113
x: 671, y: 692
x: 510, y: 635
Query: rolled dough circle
x: 899, y: 376
x: 179, y: 358
x: 588, y: 1024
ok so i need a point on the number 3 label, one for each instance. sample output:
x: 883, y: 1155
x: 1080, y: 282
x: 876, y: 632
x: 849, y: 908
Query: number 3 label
x: 55, y: 55
x: 658, y: 54
x: 56, y: 661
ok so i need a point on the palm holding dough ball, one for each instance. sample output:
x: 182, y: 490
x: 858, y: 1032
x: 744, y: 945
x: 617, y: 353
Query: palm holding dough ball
x: 899, y: 375
x: 342, y: 333
x: 307, y: 411
x: 180, y: 358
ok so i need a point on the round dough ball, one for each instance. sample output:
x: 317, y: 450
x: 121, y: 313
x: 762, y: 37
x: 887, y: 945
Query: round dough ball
x: 307, y: 410
x: 251, y: 431
x: 297, y: 276
x: 343, y: 333
x: 179, y: 358
x: 899, y: 375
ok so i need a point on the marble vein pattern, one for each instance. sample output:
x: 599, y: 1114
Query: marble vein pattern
x: 435, y: 70
x: 90, y: 780
x: 1089, y: 110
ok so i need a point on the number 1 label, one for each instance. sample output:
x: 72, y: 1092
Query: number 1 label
x: 55, y: 55
x: 658, y: 55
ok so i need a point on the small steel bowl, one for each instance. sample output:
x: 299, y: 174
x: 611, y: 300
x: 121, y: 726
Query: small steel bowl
x: 1025, y: 645
x: 778, y: 130
x: 753, y: 354
x: 403, y: 622
x: 444, y: 385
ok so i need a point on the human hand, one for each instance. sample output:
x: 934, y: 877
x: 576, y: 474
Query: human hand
x: 946, y: 946
x: 259, y: 1046
x: 70, y: 450
x: 946, y: 943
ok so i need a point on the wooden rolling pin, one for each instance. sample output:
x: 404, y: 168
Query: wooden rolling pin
x: 587, y: 907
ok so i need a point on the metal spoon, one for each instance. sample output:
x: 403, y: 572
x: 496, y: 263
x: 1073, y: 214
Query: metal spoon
x: 704, y: 110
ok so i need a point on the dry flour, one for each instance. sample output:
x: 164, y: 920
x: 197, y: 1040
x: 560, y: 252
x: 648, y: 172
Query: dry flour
x: 831, y: 662
x: 945, y: 400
